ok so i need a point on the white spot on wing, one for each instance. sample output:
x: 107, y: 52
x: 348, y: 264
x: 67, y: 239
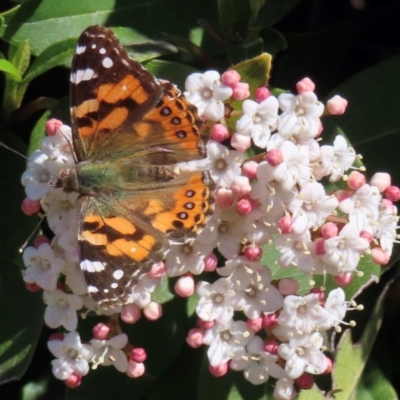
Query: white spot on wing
x: 92, y: 266
x: 80, y: 49
x: 125, y: 62
x: 102, y: 50
x: 107, y: 62
x: 94, y: 46
x: 114, y: 285
x: 105, y: 290
x: 83, y: 75
x: 118, y: 274
x: 92, y: 289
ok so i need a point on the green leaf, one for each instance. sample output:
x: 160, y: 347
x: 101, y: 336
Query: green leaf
x: 275, y: 10
x: 20, y: 56
x: 162, y: 294
x: 245, y: 51
x: 234, y: 15
x: 274, y: 41
x: 38, y: 133
x: 10, y: 70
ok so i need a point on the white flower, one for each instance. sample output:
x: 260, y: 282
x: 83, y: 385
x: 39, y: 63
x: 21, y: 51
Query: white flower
x: 335, y: 307
x: 215, y: 301
x: 43, y: 266
x: 385, y: 228
x: 207, y: 93
x: 225, y: 341
x: 257, y: 365
x: 303, y: 354
x: 258, y: 120
x: 284, y: 389
x: 108, y: 352
x: 72, y: 356
x: 141, y: 293
x: 58, y: 147
x: 61, y: 309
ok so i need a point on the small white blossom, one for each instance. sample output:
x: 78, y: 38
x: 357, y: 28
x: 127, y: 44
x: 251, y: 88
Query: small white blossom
x: 109, y: 352
x: 284, y: 389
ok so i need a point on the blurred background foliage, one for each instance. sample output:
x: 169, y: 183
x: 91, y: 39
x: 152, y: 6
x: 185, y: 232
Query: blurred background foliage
x: 347, y: 47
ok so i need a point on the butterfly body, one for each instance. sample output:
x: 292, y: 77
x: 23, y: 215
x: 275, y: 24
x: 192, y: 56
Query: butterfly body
x: 129, y: 130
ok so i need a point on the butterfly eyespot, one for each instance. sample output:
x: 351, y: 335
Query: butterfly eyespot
x: 190, y: 193
x: 189, y: 206
x: 166, y: 111
x: 182, y: 215
x: 181, y: 134
x: 175, y: 121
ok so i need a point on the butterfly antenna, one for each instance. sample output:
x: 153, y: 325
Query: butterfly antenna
x: 27, y: 159
x: 22, y: 248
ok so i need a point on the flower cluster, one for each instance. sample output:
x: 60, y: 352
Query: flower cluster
x: 249, y: 321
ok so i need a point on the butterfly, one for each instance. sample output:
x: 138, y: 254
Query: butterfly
x: 128, y: 131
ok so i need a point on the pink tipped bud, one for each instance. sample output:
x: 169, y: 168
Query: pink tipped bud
x: 381, y: 180
x: 261, y: 94
x: 319, y: 292
x: 52, y: 126
x: 274, y: 157
x: 241, y: 186
x: 288, y: 286
x: 240, y: 142
x: 39, y: 240
x: 285, y: 225
x: 305, y: 85
x: 32, y: 287
x: 230, y: 78
x: 210, y: 263
x: 100, y: 331
x: 249, y: 169
x: 157, y: 270
x: 367, y: 236
x: 356, y: 180
x: 244, y: 207
x: 205, y: 324
x: 131, y: 313
x: 271, y: 346
x: 241, y: 91
x: 255, y: 325
x: 392, y: 193
x: 138, y: 355
x: 224, y: 198
x: 379, y: 256
x: 344, y: 279
x: 135, y: 370
x: 30, y: 207
x: 195, y: 338
x: 336, y: 105
x: 320, y: 129
x: 329, y: 230
x: 342, y: 195
x: 219, y: 132
x: 253, y: 252
x: 73, y: 381
x: 320, y: 246
x: 184, y: 286
x: 270, y: 321
x: 56, y: 336
x: 219, y: 370
x: 305, y: 381
x: 329, y: 366
x: 152, y: 311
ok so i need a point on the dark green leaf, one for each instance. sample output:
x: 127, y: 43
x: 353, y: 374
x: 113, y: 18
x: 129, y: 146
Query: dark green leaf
x: 275, y: 10
x: 38, y: 132
x: 234, y: 17
x: 162, y: 294
x: 7, y: 67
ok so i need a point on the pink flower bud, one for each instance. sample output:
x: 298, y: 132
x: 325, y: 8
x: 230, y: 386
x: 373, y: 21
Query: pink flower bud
x: 39, y: 240
x: 184, y: 286
x: 249, y: 169
x: 219, y: 132
x: 288, y: 286
x: 255, y: 325
x: 305, y: 85
x: 224, y: 198
x: 329, y: 366
x: 219, y: 370
x: 230, y: 78
x: 367, y: 236
x: 344, y: 279
x: 336, y: 105
x: 342, y: 195
x: 52, y: 126
x: 240, y: 142
x: 241, y: 186
x: 381, y: 180
x: 329, y: 230
x: 271, y: 346
x: 261, y: 94
x: 152, y: 311
x: 100, y: 331
x: 56, y: 336
x: 285, y: 225
x: 274, y: 157
x: 253, y: 252
x: 30, y: 207
x: 320, y: 246
x: 319, y: 292
x: 356, y: 180
x: 244, y: 207
x: 320, y: 129
x: 32, y: 287
x: 135, y: 370
x: 305, y: 381
x: 241, y: 91
x: 157, y: 270
x: 73, y: 381
x: 270, y: 321
x: 130, y: 313
x: 393, y: 193
x: 379, y: 256
x: 138, y: 355
x: 205, y: 324
x: 210, y: 263
x: 195, y: 338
